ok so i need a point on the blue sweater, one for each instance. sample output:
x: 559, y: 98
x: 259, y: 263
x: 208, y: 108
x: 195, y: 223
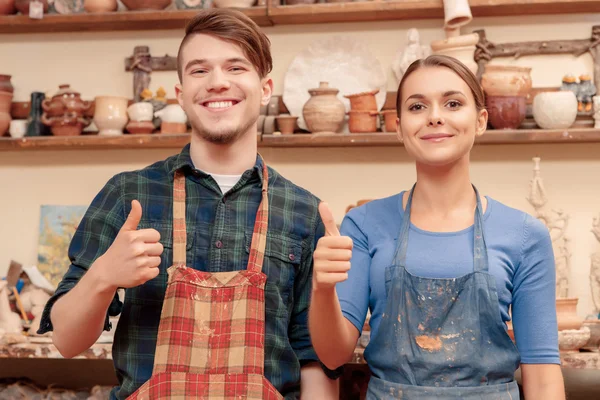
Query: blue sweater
x: 520, y: 258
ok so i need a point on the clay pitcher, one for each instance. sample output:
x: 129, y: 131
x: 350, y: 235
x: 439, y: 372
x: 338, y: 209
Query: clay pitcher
x: 324, y: 111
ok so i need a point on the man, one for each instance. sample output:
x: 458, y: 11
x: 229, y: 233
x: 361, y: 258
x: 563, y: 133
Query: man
x: 192, y: 237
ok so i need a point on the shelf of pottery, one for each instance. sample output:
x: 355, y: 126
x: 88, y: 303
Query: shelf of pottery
x: 102, y: 15
x: 319, y: 106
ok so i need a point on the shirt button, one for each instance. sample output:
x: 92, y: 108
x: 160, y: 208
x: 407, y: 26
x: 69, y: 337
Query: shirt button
x: 219, y: 244
x: 292, y: 257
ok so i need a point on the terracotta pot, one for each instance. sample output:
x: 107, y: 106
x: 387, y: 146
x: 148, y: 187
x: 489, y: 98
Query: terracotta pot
x: 173, y: 127
x: 324, y: 111
x: 506, y: 112
x: 146, y: 4
x: 4, y: 122
x: 5, y: 102
x: 566, y: 313
x: 69, y: 124
x: 389, y: 118
x: 140, y: 127
x: 363, y: 101
x: 460, y: 47
x: 100, y: 6
x: 5, y: 85
x: 110, y: 114
x: 362, y: 121
x: 286, y: 124
x: 7, y: 7
x: 66, y: 100
x: 23, y: 6
x: 506, y: 80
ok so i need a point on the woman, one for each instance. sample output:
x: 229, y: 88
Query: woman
x: 439, y: 266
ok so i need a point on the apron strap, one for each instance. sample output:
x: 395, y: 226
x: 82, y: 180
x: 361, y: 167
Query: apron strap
x: 259, y: 235
x: 179, y: 230
x: 480, y: 257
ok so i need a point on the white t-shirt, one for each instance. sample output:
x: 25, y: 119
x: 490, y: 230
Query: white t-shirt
x: 226, y: 182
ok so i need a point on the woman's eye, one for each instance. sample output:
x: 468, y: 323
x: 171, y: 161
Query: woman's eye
x: 454, y: 104
x: 416, y: 107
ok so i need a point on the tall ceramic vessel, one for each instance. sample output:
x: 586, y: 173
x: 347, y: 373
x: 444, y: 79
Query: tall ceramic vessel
x: 324, y: 111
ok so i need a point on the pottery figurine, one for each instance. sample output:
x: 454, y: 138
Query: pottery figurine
x: 110, y: 115
x: 585, y: 93
x: 364, y: 101
x: 5, y: 84
x: 555, y: 110
x: 324, y: 111
x: 408, y: 54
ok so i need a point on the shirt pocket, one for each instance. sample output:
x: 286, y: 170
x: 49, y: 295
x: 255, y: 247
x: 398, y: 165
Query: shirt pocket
x: 153, y: 291
x: 283, y: 255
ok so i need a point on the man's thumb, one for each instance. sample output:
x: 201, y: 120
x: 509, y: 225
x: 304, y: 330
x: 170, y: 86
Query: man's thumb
x: 135, y: 215
x: 327, y: 218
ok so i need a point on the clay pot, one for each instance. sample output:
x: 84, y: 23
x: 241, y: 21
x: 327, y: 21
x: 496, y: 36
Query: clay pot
x: 140, y: 112
x: 146, y: 4
x: 23, y: 6
x: 389, y: 118
x: 5, y: 118
x: 571, y: 340
x: 555, y: 110
x: 506, y: 80
x: 69, y: 124
x: 286, y: 124
x: 5, y: 85
x: 324, y: 111
x: 173, y: 127
x: 362, y: 121
x: 140, y: 127
x: 66, y: 100
x: 4, y: 122
x: 18, y: 128
x: 110, y: 115
x: 7, y: 7
x: 566, y: 313
x: 100, y: 6
x: 460, y: 47
x: 506, y: 112
x: 363, y: 101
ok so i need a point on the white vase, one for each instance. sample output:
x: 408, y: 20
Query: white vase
x: 555, y: 110
x: 110, y: 115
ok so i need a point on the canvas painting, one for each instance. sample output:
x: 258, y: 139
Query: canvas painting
x: 57, y: 227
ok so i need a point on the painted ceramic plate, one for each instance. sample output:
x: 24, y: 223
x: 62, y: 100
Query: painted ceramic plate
x: 345, y: 62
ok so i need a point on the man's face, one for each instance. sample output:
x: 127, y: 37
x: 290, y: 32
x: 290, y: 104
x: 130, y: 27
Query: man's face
x: 221, y: 91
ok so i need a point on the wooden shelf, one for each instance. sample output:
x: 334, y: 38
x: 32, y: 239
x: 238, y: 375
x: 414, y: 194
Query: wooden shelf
x: 167, y: 141
x: 376, y: 10
x: 379, y: 10
x: 112, y: 21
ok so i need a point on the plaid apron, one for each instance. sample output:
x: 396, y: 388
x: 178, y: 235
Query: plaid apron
x: 211, y: 335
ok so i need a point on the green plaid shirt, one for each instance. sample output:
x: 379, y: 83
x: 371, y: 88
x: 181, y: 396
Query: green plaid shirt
x: 218, y: 239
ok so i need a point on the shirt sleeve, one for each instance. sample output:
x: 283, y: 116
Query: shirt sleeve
x: 353, y: 293
x: 534, y: 297
x: 298, y: 329
x: 94, y: 235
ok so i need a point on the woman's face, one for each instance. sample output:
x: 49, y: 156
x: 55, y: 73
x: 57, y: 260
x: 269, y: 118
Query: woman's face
x: 438, y: 118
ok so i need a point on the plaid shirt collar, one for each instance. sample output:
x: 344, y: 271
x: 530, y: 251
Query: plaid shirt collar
x: 184, y: 161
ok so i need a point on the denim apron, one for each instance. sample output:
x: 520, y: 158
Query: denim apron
x: 442, y: 338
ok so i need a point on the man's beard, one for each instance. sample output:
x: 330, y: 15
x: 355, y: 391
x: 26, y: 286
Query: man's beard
x: 228, y: 136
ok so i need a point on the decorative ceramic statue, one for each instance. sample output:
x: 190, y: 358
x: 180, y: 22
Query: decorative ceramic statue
x: 569, y: 82
x: 10, y: 322
x: 412, y: 52
x: 557, y: 222
x: 586, y: 91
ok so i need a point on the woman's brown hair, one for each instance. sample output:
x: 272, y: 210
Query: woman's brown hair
x: 452, y: 64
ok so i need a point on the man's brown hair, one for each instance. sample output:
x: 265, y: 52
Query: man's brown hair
x: 235, y: 27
